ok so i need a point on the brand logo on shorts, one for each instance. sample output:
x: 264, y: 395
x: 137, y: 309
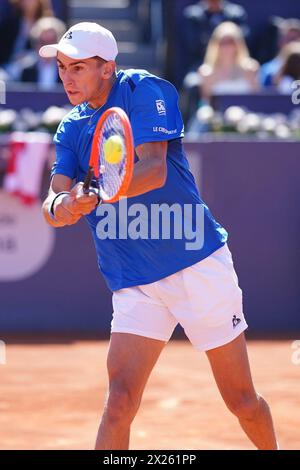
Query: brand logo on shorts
x: 235, y: 321
x: 161, y: 107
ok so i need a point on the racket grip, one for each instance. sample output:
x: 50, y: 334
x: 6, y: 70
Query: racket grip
x: 88, y: 180
x: 87, y: 184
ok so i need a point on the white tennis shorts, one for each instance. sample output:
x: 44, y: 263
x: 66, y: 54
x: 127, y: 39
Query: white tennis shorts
x: 204, y: 298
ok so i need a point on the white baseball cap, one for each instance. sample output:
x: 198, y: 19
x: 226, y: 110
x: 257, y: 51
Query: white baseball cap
x: 82, y: 41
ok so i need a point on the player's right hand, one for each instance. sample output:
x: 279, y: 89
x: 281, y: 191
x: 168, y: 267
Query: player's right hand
x: 68, y: 209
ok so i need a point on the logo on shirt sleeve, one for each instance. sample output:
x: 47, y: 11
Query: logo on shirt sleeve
x: 161, y: 107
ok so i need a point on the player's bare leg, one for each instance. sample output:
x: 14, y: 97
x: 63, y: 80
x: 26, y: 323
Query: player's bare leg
x: 231, y: 370
x: 130, y: 361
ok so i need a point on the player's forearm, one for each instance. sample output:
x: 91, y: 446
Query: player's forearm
x: 147, y: 175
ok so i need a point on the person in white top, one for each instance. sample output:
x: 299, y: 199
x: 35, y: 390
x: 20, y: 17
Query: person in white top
x: 228, y: 67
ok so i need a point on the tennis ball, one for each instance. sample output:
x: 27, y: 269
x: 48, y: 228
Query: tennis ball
x: 113, y: 149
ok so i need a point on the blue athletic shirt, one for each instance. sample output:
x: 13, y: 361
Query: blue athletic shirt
x: 152, y: 106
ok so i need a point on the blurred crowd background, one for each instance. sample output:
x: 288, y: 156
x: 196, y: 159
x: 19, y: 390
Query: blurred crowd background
x: 236, y: 65
x: 216, y: 52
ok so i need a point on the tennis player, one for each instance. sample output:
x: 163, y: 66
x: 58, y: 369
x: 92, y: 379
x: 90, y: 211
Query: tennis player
x: 156, y: 283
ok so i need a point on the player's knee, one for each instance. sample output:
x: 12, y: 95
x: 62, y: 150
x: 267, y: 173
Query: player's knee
x: 122, y: 404
x: 244, y: 405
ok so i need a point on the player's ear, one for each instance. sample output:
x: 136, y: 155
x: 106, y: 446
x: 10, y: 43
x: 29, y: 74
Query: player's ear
x: 109, y: 69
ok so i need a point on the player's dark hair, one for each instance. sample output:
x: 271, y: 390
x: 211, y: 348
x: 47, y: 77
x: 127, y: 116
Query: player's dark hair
x: 99, y: 60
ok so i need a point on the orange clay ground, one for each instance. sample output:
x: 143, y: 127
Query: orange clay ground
x: 51, y: 397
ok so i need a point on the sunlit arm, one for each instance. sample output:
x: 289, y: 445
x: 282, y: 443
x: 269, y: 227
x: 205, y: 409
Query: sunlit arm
x: 150, y: 172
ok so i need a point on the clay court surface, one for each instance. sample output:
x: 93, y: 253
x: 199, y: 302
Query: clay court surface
x: 51, y: 397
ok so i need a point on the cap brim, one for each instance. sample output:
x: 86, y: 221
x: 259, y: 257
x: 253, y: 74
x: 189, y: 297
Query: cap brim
x: 51, y: 50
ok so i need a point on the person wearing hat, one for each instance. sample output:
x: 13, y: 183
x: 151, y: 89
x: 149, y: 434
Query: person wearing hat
x: 156, y: 282
x: 289, y: 31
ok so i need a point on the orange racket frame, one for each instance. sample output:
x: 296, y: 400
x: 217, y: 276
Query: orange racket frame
x: 129, y: 149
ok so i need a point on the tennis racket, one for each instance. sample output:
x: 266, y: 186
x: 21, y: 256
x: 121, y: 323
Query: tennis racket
x: 112, y: 156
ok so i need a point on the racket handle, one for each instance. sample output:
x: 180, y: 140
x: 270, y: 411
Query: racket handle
x: 88, y: 180
x: 87, y: 184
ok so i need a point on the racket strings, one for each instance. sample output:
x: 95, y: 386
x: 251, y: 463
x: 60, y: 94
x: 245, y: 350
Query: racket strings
x: 111, y: 174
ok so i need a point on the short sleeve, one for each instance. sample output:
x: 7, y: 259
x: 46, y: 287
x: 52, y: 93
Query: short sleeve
x: 66, y: 162
x: 154, y: 113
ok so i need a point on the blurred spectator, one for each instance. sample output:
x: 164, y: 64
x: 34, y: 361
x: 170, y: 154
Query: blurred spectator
x: 228, y: 67
x: 61, y: 9
x: 201, y: 19
x: 289, y: 31
x: 15, y: 28
x: 290, y: 70
x: 34, y: 68
x: 5, y: 8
